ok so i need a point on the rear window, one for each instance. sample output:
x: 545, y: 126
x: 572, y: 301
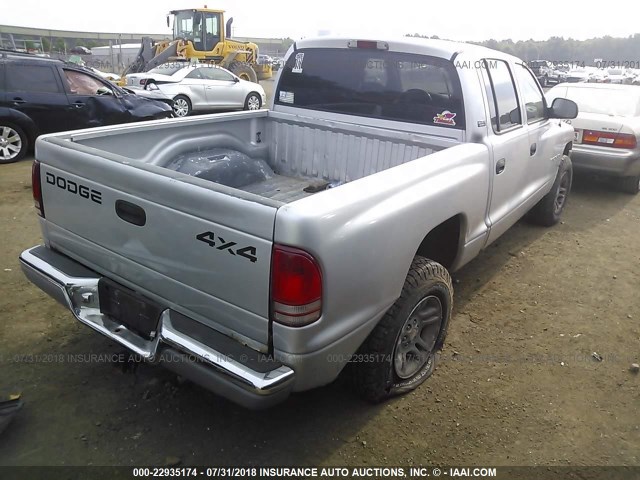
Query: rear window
x: 31, y: 78
x: 373, y: 83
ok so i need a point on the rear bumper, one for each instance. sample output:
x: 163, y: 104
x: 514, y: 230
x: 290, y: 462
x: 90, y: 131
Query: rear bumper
x: 181, y: 344
x: 605, y: 160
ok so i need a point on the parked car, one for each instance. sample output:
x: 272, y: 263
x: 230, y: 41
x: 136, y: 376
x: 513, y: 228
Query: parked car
x: 607, y: 129
x: 560, y: 75
x: 620, y: 76
x: 598, y: 75
x: 277, y: 64
x: 544, y: 71
x: 200, y: 87
x: 260, y: 253
x: 41, y: 95
x: 80, y: 50
x: 578, y: 75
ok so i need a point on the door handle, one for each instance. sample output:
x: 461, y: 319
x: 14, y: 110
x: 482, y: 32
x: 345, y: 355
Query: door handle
x: 18, y: 101
x: 500, y: 166
x: 532, y: 149
x: 131, y: 213
x: 78, y: 105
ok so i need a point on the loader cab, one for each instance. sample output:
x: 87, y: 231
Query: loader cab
x: 202, y: 27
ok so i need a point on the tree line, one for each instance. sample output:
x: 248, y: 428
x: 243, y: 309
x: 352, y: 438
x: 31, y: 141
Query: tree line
x: 611, y: 50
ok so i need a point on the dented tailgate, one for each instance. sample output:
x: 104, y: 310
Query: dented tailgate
x: 192, y: 247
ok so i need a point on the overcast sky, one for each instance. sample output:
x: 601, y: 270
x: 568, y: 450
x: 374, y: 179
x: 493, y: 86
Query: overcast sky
x: 453, y: 19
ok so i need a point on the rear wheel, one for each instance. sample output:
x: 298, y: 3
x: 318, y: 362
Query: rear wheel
x: 253, y: 102
x: 547, y: 211
x: 400, y: 353
x: 13, y: 142
x: 630, y: 185
x: 244, y: 71
x: 181, y: 106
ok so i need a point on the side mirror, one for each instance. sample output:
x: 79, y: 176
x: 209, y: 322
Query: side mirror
x: 236, y: 79
x: 563, y: 108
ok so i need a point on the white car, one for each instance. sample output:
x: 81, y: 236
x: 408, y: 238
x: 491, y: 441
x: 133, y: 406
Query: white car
x: 620, y: 75
x: 578, y: 75
x: 607, y: 130
x: 200, y: 87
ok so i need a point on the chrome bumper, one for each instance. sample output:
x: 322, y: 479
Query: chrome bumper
x: 214, y: 361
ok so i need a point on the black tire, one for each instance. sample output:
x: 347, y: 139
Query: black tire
x: 630, y: 185
x: 427, y: 286
x: 548, y: 210
x: 244, y: 71
x: 13, y: 142
x: 250, y: 101
x: 181, y: 106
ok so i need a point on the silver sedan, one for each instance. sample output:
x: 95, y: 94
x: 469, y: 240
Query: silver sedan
x: 200, y: 87
x: 607, y: 130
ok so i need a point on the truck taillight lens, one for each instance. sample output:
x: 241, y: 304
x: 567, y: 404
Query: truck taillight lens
x: 296, y: 287
x: 609, y: 139
x: 36, y: 187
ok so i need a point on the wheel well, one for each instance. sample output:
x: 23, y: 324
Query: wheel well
x: 442, y: 243
x: 567, y: 148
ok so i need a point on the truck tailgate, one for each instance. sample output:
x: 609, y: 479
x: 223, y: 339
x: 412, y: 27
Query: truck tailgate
x: 198, y: 248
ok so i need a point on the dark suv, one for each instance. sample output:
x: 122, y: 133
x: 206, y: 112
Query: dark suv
x: 42, y: 95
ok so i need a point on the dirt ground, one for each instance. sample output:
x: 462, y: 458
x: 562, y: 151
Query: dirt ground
x: 516, y: 384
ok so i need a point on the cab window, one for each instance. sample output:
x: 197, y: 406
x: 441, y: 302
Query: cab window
x: 504, y: 95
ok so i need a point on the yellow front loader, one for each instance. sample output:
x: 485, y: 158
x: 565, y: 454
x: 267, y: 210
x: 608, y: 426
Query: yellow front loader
x: 199, y: 34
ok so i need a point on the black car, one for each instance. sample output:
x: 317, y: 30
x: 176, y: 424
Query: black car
x: 42, y: 95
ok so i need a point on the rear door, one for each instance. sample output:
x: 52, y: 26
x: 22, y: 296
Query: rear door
x: 544, y: 135
x: 35, y: 89
x: 509, y: 141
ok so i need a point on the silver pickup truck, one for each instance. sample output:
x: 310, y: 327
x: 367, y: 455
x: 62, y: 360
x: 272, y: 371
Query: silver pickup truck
x: 259, y: 253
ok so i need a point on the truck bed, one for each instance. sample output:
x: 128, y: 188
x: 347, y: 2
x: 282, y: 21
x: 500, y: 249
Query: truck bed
x: 301, y: 153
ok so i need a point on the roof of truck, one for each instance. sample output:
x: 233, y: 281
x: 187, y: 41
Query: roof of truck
x: 425, y: 46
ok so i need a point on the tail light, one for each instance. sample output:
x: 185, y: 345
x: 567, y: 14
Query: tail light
x: 296, y: 287
x: 36, y: 188
x: 609, y: 139
x: 143, y: 81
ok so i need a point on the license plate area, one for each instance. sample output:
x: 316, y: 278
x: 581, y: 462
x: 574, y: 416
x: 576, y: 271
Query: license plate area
x: 134, y: 311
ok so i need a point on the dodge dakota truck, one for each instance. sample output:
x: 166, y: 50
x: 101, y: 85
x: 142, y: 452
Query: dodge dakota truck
x: 260, y: 253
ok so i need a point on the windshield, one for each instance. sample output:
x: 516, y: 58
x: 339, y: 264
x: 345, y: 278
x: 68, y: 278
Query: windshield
x: 622, y: 103
x: 183, y: 25
x: 374, y: 83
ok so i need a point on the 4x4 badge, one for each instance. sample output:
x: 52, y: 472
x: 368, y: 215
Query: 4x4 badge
x: 210, y: 239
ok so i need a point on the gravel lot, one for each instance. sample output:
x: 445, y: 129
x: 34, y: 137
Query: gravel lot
x: 516, y: 385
